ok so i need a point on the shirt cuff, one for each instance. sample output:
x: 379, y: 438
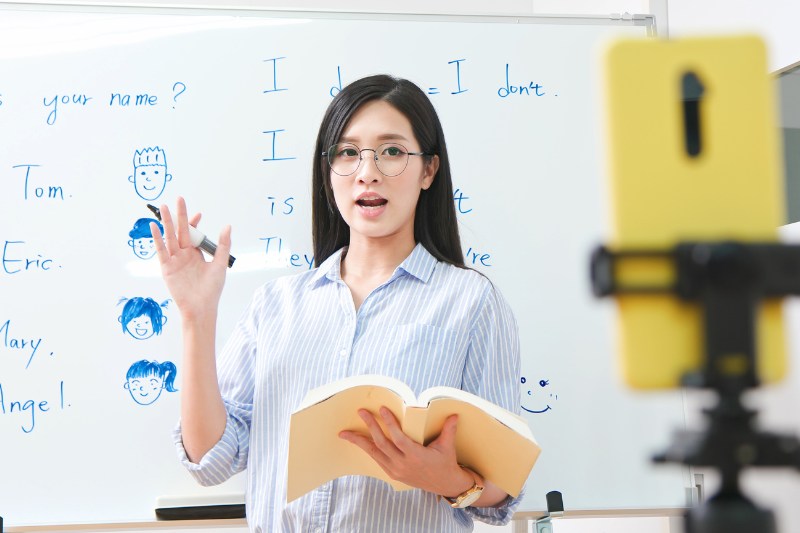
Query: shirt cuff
x: 498, y: 515
x: 218, y: 464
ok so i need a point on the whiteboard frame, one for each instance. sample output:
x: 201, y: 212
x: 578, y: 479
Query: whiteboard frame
x: 630, y: 20
x: 646, y: 20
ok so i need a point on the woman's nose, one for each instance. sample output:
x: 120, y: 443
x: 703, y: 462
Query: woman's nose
x: 368, y: 169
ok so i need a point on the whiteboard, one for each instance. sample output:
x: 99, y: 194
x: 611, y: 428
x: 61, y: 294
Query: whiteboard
x: 231, y: 102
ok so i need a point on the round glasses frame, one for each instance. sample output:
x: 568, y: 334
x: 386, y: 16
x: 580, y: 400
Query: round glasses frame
x: 331, y: 153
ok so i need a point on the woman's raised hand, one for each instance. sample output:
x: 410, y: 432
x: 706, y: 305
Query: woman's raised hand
x: 194, y: 283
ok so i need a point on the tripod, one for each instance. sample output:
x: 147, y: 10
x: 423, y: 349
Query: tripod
x: 728, y: 279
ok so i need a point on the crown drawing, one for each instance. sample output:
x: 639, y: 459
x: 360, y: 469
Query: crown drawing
x: 149, y: 156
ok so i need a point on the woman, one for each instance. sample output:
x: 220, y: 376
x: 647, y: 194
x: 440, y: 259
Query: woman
x: 390, y: 295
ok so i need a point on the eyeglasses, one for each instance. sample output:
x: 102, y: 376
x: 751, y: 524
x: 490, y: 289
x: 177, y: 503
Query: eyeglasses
x: 390, y: 158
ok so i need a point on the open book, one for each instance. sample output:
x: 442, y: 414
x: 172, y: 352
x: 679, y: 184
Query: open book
x: 494, y: 442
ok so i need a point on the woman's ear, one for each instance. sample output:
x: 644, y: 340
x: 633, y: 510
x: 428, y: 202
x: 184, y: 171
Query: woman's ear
x: 431, y: 168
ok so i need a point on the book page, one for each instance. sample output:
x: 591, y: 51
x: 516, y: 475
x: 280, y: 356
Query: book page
x: 512, y: 420
x: 324, y: 392
x: 494, y: 450
x: 317, y: 454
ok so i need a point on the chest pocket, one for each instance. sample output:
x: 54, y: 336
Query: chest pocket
x: 423, y: 355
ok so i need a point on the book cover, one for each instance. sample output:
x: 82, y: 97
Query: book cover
x: 495, y: 442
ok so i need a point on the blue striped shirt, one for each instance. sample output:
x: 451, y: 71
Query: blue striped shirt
x: 430, y: 324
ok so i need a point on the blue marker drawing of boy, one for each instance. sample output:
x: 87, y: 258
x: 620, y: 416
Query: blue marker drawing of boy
x: 146, y: 380
x: 142, y: 317
x: 150, y: 175
x: 141, y: 238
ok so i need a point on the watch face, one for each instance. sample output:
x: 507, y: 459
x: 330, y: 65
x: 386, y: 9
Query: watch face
x: 471, y: 498
x: 467, y: 498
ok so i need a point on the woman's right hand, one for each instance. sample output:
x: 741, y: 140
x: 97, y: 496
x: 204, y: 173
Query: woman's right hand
x: 194, y: 283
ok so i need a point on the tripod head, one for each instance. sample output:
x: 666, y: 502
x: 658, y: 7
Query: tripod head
x: 728, y: 280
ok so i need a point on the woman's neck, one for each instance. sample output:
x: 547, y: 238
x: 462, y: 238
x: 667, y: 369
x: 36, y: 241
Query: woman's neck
x: 370, y: 262
x: 375, y: 257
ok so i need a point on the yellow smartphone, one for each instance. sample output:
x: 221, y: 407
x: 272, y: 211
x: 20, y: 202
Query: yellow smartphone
x: 694, y: 155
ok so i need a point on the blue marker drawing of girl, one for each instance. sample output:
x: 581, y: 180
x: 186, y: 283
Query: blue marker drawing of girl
x: 142, y: 238
x: 146, y: 380
x: 142, y: 317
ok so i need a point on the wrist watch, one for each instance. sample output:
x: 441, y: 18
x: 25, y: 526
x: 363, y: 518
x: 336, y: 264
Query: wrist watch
x: 469, y: 496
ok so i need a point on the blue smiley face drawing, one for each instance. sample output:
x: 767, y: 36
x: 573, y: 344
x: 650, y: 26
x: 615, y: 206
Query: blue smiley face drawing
x: 537, y: 396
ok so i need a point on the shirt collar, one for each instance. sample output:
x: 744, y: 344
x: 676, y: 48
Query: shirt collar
x: 420, y: 264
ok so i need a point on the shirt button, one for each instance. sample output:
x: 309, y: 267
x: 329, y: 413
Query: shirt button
x: 318, y: 530
x: 343, y: 353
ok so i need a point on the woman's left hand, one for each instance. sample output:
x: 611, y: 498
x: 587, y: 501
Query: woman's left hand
x: 433, y: 467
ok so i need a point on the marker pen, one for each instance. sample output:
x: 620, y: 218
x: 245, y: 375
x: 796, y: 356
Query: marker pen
x: 196, y: 237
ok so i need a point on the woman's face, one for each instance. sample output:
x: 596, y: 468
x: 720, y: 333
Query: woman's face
x: 375, y: 206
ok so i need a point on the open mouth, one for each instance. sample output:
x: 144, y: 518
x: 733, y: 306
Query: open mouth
x: 372, y: 203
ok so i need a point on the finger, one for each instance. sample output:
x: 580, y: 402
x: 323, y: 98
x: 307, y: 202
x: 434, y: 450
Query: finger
x: 224, y: 247
x: 161, y: 250
x: 447, y: 438
x: 170, y: 238
x: 378, y: 436
x: 195, y: 220
x: 400, y: 439
x: 183, y: 224
x: 366, y: 444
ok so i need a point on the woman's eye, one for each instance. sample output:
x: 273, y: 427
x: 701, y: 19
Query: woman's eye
x: 348, y: 152
x: 392, y: 151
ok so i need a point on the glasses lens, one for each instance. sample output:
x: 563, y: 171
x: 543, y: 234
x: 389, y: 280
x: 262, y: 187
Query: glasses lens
x: 392, y: 158
x: 344, y: 158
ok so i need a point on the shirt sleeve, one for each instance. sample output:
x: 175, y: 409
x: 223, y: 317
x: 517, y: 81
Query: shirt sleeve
x: 235, y: 368
x: 493, y: 372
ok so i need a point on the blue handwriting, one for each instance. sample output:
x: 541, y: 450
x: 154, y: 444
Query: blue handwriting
x: 37, y: 263
x: 139, y: 100
x: 457, y: 63
x: 287, y: 209
x: 27, y: 345
x: 478, y: 258
x: 273, y: 157
x: 458, y: 197
x: 45, y: 192
x: 277, y: 257
x: 338, y: 87
x: 178, y: 88
x: 459, y: 89
x: 508, y: 89
x: 275, y: 87
x: 74, y: 99
x: 9, y: 407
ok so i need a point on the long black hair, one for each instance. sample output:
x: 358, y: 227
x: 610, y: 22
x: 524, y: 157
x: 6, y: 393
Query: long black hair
x: 435, y: 223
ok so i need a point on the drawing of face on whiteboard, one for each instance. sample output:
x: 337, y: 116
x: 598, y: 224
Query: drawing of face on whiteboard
x: 537, y: 397
x: 150, y: 173
x: 142, y: 318
x: 146, y: 380
x: 141, y: 238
